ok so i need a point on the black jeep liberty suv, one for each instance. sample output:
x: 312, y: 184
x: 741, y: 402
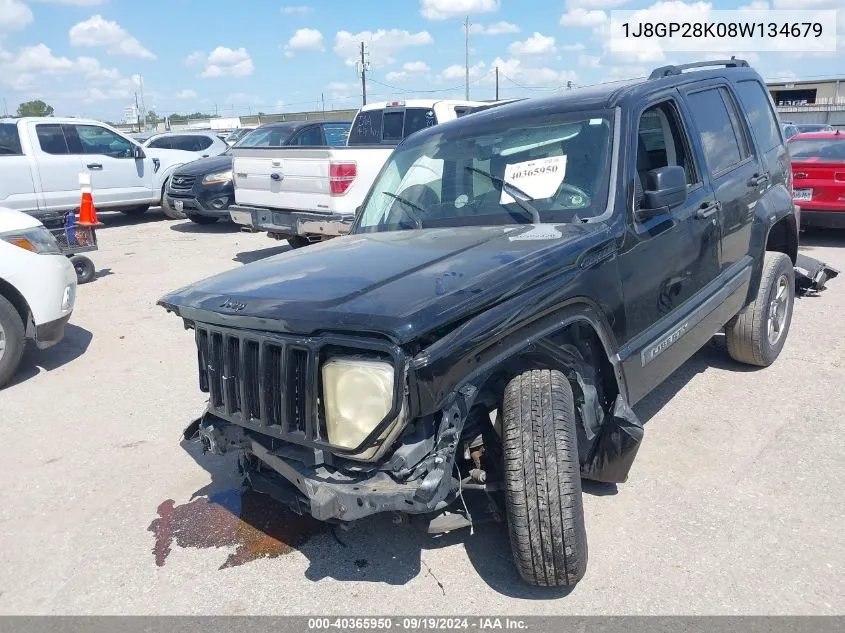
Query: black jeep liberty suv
x: 513, y: 283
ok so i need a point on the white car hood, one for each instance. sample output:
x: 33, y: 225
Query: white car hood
x: 11, y: 220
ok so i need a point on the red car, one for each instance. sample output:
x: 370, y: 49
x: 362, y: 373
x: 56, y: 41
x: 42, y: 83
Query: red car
x: 818, y: 177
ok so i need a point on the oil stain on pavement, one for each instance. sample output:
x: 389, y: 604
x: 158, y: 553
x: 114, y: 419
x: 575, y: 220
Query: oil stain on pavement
x: 255, y: 525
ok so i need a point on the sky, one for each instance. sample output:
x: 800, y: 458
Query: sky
x: 90, y: 57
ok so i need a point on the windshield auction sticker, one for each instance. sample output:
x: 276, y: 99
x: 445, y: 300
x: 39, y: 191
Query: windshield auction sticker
x: 539, y: 178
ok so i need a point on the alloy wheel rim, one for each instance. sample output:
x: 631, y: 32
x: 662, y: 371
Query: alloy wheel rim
x: 2, y: 341
x: 778, y: 311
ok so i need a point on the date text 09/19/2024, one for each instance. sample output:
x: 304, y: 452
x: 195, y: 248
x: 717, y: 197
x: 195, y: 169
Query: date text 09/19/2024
x: 414, y: 623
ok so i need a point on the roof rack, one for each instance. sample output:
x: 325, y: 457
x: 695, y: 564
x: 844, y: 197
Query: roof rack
x: 667, y: 71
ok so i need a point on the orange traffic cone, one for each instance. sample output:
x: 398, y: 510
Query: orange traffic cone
x: 87, y: 212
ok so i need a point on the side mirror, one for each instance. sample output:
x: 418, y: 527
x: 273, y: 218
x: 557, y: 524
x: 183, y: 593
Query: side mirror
x: 665, y: 188
x: 138, y: 152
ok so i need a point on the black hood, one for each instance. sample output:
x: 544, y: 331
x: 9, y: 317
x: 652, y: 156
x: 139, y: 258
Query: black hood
x: 205, y: 166
x: 399, y: 284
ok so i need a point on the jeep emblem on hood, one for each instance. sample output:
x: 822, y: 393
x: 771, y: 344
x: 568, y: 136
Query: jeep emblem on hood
x: 233, y: 305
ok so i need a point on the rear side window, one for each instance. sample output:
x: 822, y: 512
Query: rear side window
x: 10, y: 140
x: 336, y: 133
x: 52, y: 139
x: 757, y: 104
x: 162, y: 143
x: 191, y: 143
x: 722, y: 139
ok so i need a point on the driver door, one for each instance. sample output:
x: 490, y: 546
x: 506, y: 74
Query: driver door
x: 667, y: 261
x: 116, y: 175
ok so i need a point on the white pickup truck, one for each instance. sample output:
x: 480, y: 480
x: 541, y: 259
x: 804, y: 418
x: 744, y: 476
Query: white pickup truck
x: 41, y: 159
x: 307, y: 194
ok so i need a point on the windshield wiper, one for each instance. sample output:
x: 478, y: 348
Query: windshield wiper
x: 521, y: 198
x: 417, y: 219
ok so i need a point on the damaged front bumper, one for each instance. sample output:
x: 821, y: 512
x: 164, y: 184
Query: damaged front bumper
x: 300, y: 478
x: 811, y: 274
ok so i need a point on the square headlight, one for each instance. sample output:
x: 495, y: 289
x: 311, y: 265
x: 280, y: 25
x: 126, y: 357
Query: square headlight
x: 357, y: 395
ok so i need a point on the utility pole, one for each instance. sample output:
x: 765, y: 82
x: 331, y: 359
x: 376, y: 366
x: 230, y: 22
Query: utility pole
x: 323, y: 101
x: 363, y: 74
x: 137, y: 113
x: 497, y: 83
x: 466, y: 27
x: 143, y: 105
x: 5, y: 108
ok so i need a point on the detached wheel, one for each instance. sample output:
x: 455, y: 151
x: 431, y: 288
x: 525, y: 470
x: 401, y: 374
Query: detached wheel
x: 12, y: 340
x: 133, y: 211
x: 543, y: 480
x: 84, y: 269
x: 757, y: 335
x: 167, y: 208
x: 202, y: 219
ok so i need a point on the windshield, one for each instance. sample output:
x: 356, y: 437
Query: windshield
x: 822, y: 149
x: 266, y: 137
x: 814, y: 127
x: 236, y: 134
x: 495, y: 172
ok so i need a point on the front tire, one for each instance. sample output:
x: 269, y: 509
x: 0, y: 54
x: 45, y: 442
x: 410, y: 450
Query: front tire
x: 167, y: 208
x: 12, y: 340
x: 543, y: 480
x: 757, y: 335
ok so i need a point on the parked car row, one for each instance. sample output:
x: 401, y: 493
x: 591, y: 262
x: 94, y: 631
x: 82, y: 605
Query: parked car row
x: 310, y: 193
x: 203, y: 190
x: 41, y: 160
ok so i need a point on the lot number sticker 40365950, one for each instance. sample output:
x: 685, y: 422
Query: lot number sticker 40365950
x: 539, y: 178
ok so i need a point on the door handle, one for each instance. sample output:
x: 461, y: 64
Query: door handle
x: 756, y: 180
x: 94, y: 166
x: 707, y: 209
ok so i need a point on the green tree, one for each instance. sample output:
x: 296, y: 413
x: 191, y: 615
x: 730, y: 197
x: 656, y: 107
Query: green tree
x: 152, y: 117
x: 35, y: 108
x: 175, y: 118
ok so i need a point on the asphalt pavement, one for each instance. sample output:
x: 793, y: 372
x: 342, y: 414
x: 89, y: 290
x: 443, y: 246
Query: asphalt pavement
x: 734, y: 504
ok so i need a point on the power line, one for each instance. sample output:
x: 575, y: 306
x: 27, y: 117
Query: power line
x: 431, y: 91
x: 533, y: 88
